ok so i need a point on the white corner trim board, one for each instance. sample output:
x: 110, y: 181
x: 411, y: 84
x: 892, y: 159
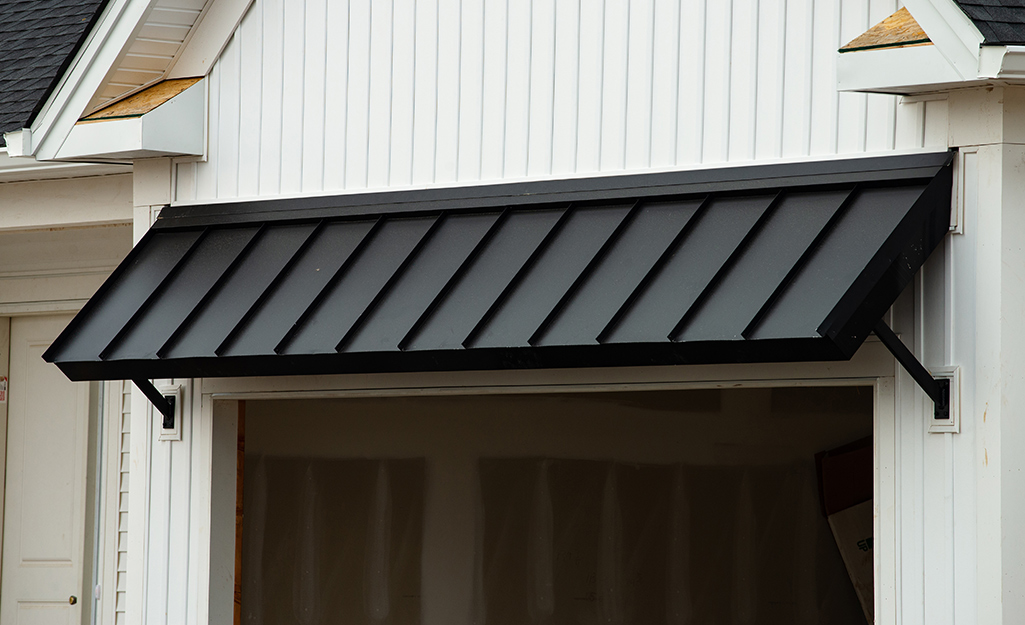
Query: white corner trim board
x: 174, y: 128
x: 216, y: 25
x: 108, y: 42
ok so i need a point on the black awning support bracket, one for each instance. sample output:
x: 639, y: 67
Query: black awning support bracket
x: 941, y: 386
x: 167, y: 401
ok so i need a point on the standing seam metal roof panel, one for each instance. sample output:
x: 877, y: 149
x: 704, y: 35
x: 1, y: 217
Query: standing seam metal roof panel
x: 773, y: 263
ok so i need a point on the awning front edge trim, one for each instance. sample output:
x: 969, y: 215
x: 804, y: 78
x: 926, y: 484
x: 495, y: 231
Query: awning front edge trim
x: 478, y: 359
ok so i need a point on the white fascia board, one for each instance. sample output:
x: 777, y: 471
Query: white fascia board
x: 107, y: 44
x: 896, y: 70
x: 216, y: 25
x: 178, y: 125
x: 175, y: 128
x: 104, y: 139
x: 953, y: 33
x: 16, y: 169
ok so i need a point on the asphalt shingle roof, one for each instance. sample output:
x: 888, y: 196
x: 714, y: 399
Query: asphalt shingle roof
x: 38, y: 39
x: 999, y: 21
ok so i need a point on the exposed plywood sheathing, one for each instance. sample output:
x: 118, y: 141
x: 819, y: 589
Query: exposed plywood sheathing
x: 897, y: 31
x: 142, y: 102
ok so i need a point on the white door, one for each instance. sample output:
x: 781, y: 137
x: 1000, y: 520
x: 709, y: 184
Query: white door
x: 44, y: 507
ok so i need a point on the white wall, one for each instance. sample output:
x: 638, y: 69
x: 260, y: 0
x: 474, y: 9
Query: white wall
x: 334, y: 95
x: 66, y: 202
x: 182, y: 492
x: 57, y: 269
x: 123, y: 459
x: 331, y: 96
x: 982, y: 504
x: 955, y: 498
x: 60, y: 239
x: 934, y: 479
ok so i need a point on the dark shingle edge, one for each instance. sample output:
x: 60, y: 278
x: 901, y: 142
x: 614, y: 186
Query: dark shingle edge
x: 1001, y: 22
x: 41, y: 39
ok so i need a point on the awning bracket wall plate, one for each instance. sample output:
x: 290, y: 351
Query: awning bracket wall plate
x: 937, y: 388
x: 165, y: 400
x: 952, y: 425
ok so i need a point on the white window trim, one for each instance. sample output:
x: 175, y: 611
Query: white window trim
x: 209, y: 440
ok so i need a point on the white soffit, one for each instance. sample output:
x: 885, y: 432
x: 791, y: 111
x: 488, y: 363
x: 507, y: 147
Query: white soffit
x: 23, y: 169
x: 152, y: 51
x: 119, y: 42
x: 179, y: 38
x: 174, y: 128
x: 209, y: 37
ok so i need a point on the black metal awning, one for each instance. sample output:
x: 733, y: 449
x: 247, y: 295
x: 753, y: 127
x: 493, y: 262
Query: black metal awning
x: 791, y: 262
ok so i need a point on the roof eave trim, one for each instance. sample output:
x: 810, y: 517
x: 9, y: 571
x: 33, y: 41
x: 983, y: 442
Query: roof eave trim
x: 175, y: 128
x: 20, y: 169
x: 902, y: 71
x: 104, y: 46
x: 478, y: 359
x: 19, y: 142
x: 1002, y: 62
x: 953, y: 32
x: 208, y: 38
x: 960, y: 57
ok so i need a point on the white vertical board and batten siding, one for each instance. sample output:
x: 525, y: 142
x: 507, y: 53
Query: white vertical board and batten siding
x: 322, y: 96
x: 929, y: 504
x: 458, y: 92
x: 162, y: 587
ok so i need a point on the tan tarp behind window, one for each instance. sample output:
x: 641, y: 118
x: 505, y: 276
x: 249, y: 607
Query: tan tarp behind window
x: 332, y: 541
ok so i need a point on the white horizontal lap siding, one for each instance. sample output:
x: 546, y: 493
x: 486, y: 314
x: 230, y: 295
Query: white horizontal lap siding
x: 334, y: 95
x: 121, y: 581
